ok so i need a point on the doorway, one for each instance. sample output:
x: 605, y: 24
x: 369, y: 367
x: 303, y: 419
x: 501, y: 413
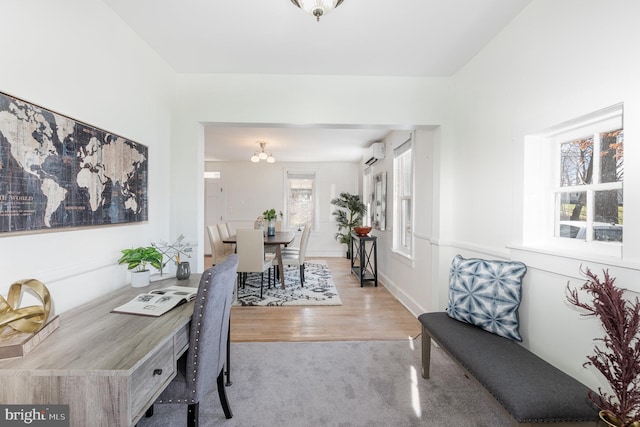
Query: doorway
x: 214, y: 204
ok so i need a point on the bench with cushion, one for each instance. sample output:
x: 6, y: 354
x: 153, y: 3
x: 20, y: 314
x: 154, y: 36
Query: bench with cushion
x: 530, y: 389
x: 480, y: 332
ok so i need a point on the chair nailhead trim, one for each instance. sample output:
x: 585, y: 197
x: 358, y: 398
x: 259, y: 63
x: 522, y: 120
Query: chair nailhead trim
x: 195, y: 356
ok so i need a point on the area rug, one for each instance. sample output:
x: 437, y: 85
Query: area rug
x: 341, y: 384
x: 318, y: 288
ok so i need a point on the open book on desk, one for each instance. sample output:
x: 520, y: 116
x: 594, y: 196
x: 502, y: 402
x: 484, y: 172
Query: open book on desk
x: 159, y: 301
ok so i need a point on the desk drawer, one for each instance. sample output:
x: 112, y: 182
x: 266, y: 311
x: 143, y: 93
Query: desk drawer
x: 151, y: 378
x: 181, y: 340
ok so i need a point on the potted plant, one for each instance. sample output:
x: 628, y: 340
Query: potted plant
x: 270, y: 215
x: 348, y: 215
x: 137, y: 260
x: 619, y: 358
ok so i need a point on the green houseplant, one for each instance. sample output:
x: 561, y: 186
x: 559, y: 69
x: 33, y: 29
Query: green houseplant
x: 137, y: 260
x: 618, y: 360
x: 270, y: 215
x: 348, y: 215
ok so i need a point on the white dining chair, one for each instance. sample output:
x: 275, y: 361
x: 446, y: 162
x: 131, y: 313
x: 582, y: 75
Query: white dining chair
x: 218, y: 250
x: 293, y: 257
x: 306, y: 230
x: 223, y: 231
x: 250, y: 250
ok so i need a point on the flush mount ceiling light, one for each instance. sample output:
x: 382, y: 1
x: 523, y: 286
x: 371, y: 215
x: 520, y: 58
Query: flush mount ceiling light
x: 261, y: 155
x: 317, y: 8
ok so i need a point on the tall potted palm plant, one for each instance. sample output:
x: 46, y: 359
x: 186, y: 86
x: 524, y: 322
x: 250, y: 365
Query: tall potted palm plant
x: 348, y: 215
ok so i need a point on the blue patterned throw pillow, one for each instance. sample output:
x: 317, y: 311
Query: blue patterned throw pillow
x: 486, y: 293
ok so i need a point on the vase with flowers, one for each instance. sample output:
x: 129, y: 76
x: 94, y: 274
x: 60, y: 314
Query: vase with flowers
x: 618, y: 360
x: 270, y: 216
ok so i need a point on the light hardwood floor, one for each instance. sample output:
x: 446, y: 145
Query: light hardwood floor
x: 367, y: 313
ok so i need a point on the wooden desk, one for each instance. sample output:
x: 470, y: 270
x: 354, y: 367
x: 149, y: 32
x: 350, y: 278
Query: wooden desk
x: 103, y: 365
x: 281, y: 238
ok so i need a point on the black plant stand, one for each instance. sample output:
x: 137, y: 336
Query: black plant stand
x: 364, y: 262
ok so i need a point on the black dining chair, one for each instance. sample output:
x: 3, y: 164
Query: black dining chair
x: 201, y: 367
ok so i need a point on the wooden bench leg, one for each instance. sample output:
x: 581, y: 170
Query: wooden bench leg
x: 426, y: 353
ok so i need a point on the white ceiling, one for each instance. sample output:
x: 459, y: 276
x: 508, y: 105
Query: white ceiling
x: 414, y: 37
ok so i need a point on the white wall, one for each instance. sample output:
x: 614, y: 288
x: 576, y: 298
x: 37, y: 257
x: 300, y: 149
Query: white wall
x: 76, y: 57
x: 554, y: 62
x: 410, y: 279
x: 251, y: 188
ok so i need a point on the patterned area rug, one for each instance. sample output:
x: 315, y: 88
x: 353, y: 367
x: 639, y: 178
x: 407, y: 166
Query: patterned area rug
x: 318, y: 289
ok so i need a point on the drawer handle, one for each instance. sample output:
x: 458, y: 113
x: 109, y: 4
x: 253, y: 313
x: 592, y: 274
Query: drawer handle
x: 157, y: 372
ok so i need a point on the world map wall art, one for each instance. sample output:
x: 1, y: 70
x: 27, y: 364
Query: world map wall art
x: 58, y: 173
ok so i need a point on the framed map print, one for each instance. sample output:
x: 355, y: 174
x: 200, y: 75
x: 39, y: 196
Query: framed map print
x: 59, y: 173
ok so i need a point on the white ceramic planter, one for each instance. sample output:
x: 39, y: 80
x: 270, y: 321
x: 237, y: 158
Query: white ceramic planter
x: 139, y: 279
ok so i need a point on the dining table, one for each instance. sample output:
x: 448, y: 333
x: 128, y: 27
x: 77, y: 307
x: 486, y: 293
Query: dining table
x: 279, y: 239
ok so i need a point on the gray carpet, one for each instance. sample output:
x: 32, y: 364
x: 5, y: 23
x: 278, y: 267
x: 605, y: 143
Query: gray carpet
x: 342, y: 384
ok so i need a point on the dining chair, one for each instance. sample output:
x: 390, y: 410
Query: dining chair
x: 293, y: 257
x: 207, y: 344
x: 218, y: 250
x: 223, y: 231
x: 250, y: 250
x: 306, y: 230
x: 229, y: 229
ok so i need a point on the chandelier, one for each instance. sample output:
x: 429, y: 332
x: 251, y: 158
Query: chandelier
x: 317, y: 8
x: 261, y: 155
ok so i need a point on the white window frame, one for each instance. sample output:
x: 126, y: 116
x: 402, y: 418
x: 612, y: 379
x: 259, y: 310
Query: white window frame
x: 542, y: 184
x: 403, y: 233
x: 314, y: 196
x: 367, y: 195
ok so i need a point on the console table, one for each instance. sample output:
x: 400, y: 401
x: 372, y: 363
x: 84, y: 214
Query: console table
x: 108, y: 367
x: 364, y: 262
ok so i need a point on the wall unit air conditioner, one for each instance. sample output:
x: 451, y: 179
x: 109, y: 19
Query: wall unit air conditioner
x: 374, y: 153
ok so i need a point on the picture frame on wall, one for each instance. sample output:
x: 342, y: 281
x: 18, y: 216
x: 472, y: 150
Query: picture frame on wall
x: 379, y: 210
x: 58, y: 173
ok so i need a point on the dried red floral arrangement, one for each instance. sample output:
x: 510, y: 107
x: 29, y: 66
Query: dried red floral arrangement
x: 619, y: 361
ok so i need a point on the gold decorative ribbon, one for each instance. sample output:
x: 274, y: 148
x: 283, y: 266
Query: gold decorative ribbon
x: 26, y: 319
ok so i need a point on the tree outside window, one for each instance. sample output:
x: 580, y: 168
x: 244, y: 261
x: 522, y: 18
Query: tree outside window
x: 589, y: 199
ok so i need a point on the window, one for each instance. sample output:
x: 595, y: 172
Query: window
x: 367, y: 191
x: 573, y: 193
x: 590, y: 173
x: 403, y: 199
x: 301, y: 199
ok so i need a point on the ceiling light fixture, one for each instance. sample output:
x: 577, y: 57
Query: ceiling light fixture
x: 317, y: 8
x: 261, y: 155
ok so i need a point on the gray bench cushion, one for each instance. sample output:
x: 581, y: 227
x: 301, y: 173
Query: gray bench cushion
x: 529, y: 388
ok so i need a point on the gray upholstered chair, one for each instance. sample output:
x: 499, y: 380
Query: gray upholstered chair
x: 202, y: 365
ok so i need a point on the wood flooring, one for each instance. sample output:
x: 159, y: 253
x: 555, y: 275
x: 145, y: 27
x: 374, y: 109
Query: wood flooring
x: 366, y: 313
